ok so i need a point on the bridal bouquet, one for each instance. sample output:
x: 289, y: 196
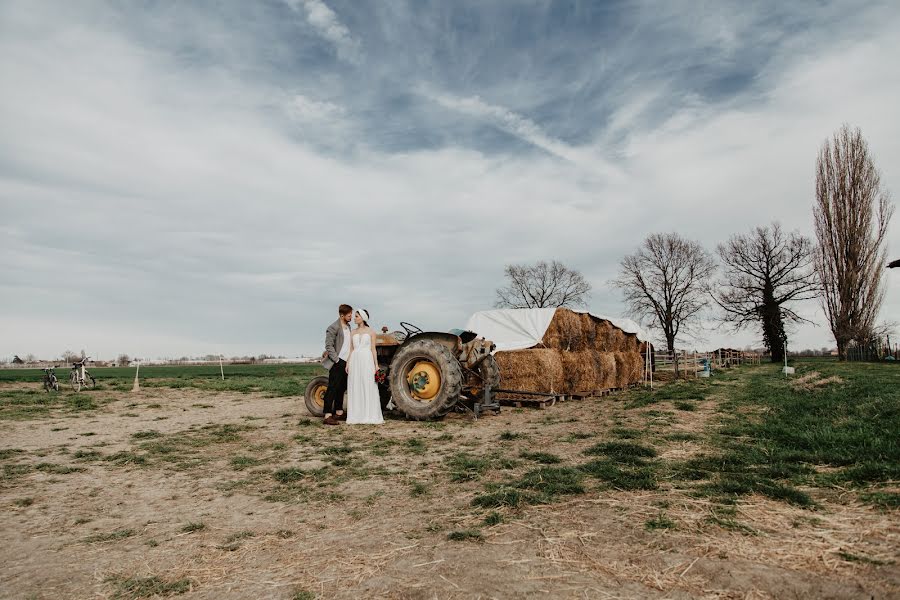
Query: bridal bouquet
x: 380, y: 376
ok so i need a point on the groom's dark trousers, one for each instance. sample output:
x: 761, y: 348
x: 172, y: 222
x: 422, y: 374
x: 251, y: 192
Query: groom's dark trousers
x: 337, y: 386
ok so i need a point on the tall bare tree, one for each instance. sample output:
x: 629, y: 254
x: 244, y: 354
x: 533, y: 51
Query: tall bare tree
x: 765, y: 271
x: 665, y: 283
x: 543, y: 285
x: 851, y: 212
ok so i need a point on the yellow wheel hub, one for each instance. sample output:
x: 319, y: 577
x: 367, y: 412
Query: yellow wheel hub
x: 424, y: 380
x: 319, y: 395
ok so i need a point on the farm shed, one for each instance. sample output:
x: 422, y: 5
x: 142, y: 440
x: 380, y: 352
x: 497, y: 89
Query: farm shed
x: 562, y: 351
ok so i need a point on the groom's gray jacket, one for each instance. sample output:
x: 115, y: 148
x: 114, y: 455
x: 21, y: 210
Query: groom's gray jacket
x: 334, y: 341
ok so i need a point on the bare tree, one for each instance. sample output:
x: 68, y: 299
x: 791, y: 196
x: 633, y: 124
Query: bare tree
x: 851, y: 212
x: 543, y: 285
x: 764, y: 272
x: 123, y: 360
x: 664, y: 283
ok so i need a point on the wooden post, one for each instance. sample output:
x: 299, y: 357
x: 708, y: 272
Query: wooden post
x: 221, y: 368
x: 137, y: 386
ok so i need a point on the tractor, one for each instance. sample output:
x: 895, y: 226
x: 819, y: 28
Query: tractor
x: 427, y: 374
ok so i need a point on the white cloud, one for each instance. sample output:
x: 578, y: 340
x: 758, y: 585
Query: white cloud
x: 329, y: 26
x: 170, y: 209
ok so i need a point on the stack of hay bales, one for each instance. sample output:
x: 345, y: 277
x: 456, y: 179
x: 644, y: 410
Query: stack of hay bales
x: 579, y: 354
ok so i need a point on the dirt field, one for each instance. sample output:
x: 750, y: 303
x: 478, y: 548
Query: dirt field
x: 231, y: 495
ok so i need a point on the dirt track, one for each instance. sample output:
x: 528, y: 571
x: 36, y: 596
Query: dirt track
x: 163, y: 490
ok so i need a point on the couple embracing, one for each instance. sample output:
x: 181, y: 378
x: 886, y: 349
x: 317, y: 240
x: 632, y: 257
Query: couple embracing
x: 351, y: 362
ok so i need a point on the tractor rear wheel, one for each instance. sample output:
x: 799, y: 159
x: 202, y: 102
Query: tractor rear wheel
x: 426, y: 379
x: 314, y: 397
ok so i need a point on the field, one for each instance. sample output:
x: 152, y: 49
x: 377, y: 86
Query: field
x: 746, y: 485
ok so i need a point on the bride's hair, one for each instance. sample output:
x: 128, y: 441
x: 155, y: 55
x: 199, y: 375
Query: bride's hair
x: 360, y: 313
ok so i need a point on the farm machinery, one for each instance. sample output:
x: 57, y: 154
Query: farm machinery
x: 425, y: 375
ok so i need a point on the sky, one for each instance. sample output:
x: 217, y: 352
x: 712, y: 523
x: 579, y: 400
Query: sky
x: 190, y: 178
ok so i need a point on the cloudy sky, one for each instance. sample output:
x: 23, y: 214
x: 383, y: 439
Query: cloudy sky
x: 204, y: 177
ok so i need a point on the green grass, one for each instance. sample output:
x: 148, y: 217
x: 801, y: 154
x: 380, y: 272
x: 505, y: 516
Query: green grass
x: 112, y: 536
x: 415, y: 446
x: 289, y: 475
x: 33, y: 404
x: 544, y: 458
x: 57, y: 469
x: 697, y: 389
x: 133, y: 588
x: 771, y: 436
x: 624, y: 452
x: 493, y: 518
x: 465, y: 535
x: 884, y: 500
x: 623, y: 477
x: 417, y: 488
x: 193, y: 527
x: 660, y: 521
x: 239, y: 463
x: 465, y: 467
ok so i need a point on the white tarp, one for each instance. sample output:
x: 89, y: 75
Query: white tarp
x: 520, y: 328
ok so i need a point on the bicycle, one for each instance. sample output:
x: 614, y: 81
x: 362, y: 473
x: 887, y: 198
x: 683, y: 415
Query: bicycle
x: 79, y: 377
x: 50, y: 380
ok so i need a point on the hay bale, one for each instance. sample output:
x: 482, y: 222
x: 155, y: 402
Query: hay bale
x: 565, y: 331
x: 605, y: 366
x: 629, y: 368
x: 579, y: 372
x: 534, y: 370
x: 561, y: 372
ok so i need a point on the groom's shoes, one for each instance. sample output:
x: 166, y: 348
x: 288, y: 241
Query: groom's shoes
x: 330, y: 420
x: 342, y: 416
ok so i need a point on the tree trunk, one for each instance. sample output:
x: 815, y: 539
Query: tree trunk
x: 670, y: 342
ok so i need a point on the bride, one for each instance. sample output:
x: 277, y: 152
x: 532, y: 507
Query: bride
x: 363, y: 403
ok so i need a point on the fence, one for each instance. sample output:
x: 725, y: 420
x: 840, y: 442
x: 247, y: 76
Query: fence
x: 874, y: 351
x: 682, y: 363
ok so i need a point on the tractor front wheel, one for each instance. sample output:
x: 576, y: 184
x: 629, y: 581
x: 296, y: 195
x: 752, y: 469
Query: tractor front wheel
x: 426, y: 379
x: 315, y: 396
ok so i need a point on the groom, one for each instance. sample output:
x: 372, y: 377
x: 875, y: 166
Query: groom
x: 337, y: 350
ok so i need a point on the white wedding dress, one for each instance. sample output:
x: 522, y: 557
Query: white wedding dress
x: 363, y: 402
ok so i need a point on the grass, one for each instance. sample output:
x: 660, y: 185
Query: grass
x: 193, y: 527
x: 883, y: 500
x: 112, y: 536
x: 415, y: 446
x: 624, y: 452
x: 57, y: 469
x: 465, y: 535
x: 544, y: 458
x: 417, y: 489
x: 18, y: 405
x: 493, y: 518
x: 132, y: 588
x: 272, y: 380
x: 465, y: 467
x: 239, y: 463
x: 623, y: 477
x: 680, y: 390
x: 660, y: 521
x: 771, y: 436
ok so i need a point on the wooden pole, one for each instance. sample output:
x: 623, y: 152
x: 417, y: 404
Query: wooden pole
x: 221, y: 368
x: 137, y: 386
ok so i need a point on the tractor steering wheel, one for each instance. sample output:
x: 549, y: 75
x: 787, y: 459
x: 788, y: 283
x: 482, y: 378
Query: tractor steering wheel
x: 410, y: 329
